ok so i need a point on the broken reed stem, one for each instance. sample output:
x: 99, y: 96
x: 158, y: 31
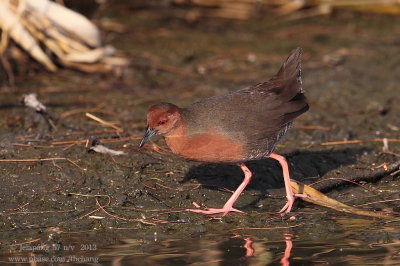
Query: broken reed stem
x: 41, y: 160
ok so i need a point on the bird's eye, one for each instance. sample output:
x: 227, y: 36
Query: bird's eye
x: 162, y: 122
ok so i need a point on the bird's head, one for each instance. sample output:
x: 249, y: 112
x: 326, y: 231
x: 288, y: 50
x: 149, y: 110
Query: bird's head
x: 162, y: 118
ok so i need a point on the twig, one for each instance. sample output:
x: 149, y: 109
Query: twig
x: 392, y: 153
x: 90, y: 196
x: 69, y: 142
x: 166, y: 212
x: 19, y: 207
x: 58, y: 188
x: 268, y: 228
x: 120, y: 164
x: 367, y: 175
x: 128, y: 219
x: 69, y: 146
x: 338, y: 178
x: 28, y: 242
x: 314, y: 127
x: 103, y: 122
x: 101, y: 208
x: 356, y: 141
x: 86, y: 110
x: 379, y: 201
x: 32, y: 145
x: 147, y: 186
x: 112, y: 140
x: 170, y: 188
x: 41, y: 160
x: 38, y: 212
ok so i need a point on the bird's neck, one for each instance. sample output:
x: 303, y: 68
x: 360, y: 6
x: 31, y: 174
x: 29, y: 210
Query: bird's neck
x: 176, y: 139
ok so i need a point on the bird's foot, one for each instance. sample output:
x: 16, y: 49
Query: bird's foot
x: 290, y: 200
x: 210, y: 211
x: 228, y: 206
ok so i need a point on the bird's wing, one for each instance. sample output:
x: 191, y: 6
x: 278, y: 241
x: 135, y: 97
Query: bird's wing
x: 258, y: 115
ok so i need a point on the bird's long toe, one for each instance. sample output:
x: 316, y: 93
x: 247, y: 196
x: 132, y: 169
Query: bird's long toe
x: 289, y: 204
x: 290, y: 201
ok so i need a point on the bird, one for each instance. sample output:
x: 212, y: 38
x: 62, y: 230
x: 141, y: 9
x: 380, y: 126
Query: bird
x: 235, y: 127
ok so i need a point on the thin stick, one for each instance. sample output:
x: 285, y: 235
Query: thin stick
x: 392, y: 153
x: 338, y: 178
x: 86, y: 110
x: 41, y: 160
x: 267, y: 228
x: 367, y: 175
x: 28, y: 242
x: 314, y: 127
x: 356, y: 141
x: 68, y: 142
x: 32, y: 145
x: 80, y: 141
x: 380, y: 201
x: 163, y: 186
x: 38, y: 212
x: 128, y: 219
x: 103, y: 122
x: 19, y: 207
x: 90, y: 196
x: 120, y: 139
x: 120, y: 164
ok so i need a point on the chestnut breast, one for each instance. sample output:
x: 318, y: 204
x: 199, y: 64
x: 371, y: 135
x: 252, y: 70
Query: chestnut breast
x: 207, y: 146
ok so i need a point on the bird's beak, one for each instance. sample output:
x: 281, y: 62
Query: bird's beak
x: 147, y: 135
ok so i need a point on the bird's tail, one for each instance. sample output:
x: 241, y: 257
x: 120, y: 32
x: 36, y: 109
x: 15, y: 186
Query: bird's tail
x: 289, y: 86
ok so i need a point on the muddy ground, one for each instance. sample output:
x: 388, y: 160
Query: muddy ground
x: 351, y: 66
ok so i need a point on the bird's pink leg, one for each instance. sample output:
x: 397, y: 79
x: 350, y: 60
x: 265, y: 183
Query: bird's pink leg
x: 286, y: 255
x: 286, y: 178
x: 228, y: 207
x: 247, y: 246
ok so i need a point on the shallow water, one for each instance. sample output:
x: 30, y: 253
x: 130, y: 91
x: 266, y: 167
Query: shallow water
x: 369, y: 243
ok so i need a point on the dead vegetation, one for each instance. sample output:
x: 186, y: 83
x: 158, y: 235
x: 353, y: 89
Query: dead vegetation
x: 54, y: 36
